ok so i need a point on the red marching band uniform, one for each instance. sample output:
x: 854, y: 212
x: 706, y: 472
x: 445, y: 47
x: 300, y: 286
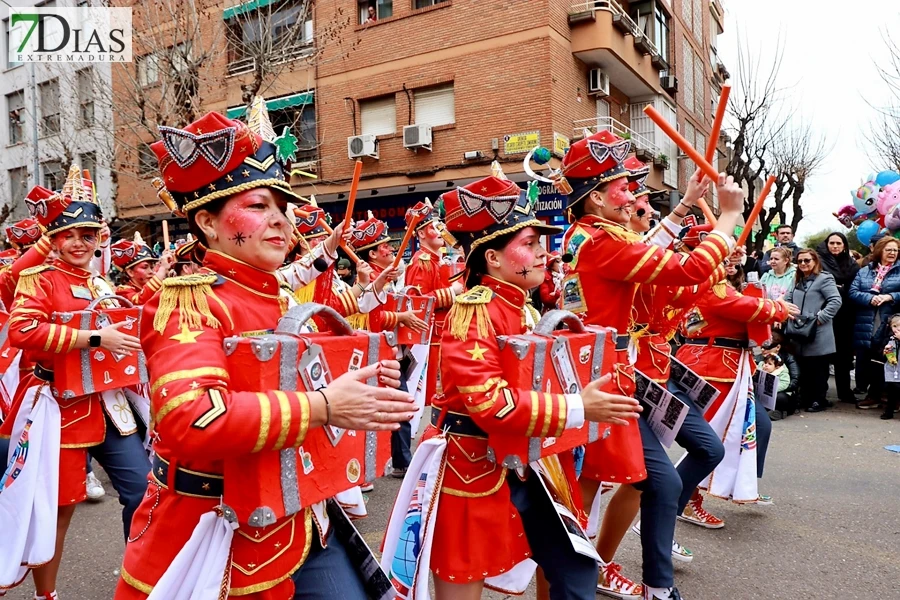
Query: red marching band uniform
x: 426, y: 274
x: 717, y: 348
x: 454, y: 515
x: 366, y: 235
x: 608, y: 265
x: 126, y: 254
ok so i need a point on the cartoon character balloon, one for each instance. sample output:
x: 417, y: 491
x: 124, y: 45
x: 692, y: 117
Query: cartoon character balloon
x: 888, y: 198
x: 845, y: 215
x: 865, y: 231
x: 887, y: 177
x: 892, y: 219
x: 865, y: 197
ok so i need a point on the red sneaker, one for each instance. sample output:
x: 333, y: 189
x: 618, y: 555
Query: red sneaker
x: 695, y: 513
x: 612, y: 583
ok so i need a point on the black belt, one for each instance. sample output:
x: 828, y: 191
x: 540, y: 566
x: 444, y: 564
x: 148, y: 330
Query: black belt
x: 188, y: 483
x: 43, y: 374
x: 720, y: 342
x: 457, y: 423
x: 622, y: 342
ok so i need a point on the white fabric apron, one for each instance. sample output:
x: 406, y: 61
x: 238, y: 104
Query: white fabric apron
x: 9, y: 382
x: 29, y: 488
x: 735, y: 424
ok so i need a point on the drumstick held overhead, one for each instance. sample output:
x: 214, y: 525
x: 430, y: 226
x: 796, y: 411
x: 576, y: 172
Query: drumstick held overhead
x: 354, y: 186
x: 756, y: 210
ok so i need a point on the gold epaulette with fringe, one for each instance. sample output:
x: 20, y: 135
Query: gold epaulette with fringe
x: 29, y: 277
x: 306, y: 293
x: 465, y: 306
x: 190, y: 294
x: 617, y: 232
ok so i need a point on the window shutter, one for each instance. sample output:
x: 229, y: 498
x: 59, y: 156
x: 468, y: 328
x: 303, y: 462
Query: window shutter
x: 435, y: 106
x: 378, y: 117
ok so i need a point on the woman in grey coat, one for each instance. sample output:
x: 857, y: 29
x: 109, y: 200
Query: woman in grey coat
x: 816, y: 293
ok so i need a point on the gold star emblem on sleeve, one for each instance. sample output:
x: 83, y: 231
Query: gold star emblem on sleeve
x: 194, y: 385
x: 205, y: 486
x: 212, y: 187
x: 186, y: 336
x: 20, y: 301
x: 229, y: 178
x: 477, y: 352
x: 245, y: 173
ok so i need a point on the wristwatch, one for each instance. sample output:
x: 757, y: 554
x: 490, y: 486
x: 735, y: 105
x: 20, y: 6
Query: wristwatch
x: 94, y: 340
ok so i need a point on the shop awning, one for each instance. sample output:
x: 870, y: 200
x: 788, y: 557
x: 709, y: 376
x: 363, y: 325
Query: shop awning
x: 245, y: 7
x: 300, y: 99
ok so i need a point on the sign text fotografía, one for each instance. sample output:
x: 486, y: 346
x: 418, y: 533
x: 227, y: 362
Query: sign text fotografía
x: 66, y: 35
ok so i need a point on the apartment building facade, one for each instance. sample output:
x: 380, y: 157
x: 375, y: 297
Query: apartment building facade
x: 56, y: 117
x: 427, y: 93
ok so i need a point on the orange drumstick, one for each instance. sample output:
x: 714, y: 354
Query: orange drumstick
x: 343, y: 244
x: 757, y: 208
x: 717, y: 124
x: 406, y: 237
x: 682, y: 143
x: 354, y: 185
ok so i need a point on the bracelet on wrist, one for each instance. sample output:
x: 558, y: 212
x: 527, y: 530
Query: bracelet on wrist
x: 327, y: 408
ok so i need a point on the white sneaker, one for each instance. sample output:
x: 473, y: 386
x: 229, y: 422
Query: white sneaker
x: 679, y: 552
x: 95, y: 489
x: 661, y: 593
x: 367, y: 487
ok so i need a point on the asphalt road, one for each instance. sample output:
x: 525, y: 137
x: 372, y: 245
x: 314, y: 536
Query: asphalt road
x: 834, y: 531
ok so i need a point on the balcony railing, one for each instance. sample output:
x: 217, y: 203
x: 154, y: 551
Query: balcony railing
x: 588, y: 127
x: 292, y: 53
x: 621, y: 20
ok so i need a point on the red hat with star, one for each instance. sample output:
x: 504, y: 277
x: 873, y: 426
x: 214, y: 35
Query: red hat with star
x: 693, y: 236
x: 593, y: 161
x: 424, y: 210
x: 73, y: 207
x: 215, y: 157
x: 24, y: 233
x: 487, y: 209
x: 638, y: 173
x: 126, y: 253
x: 369, y: 233
x: 307, y: 221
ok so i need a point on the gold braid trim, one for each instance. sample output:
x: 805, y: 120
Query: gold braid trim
x: 359, y: 321
x: 189, y: 294
x: 617, y: 232
x: 28, y: 279
x: 471, y: 304
x: 306, y: 293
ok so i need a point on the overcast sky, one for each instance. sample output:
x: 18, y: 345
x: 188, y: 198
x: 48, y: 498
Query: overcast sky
x: 831, y: 55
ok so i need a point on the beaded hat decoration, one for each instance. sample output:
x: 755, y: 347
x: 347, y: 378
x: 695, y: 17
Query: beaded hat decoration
x: 488, y: 208
x: 638, y: 173
x: 421, y: 208
x: 126, y: 253
x: 694, y: 236
x: 24, y: 233
x: 593, y: 161
x: 215, y: 157
x: 73, y: 207
x: 369, y: 233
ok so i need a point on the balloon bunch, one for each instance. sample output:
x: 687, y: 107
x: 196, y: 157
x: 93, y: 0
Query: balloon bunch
x: 875, y: 207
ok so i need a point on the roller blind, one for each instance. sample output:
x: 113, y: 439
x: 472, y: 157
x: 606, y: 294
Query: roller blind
x: 435, y: 106
x: 378, y: 116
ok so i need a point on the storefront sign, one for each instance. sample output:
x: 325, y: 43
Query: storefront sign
x: 560, y: 144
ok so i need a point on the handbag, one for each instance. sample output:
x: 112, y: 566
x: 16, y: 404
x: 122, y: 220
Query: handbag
x: 802, y: 329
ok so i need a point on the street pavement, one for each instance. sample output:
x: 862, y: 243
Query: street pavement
x: 834, y: 531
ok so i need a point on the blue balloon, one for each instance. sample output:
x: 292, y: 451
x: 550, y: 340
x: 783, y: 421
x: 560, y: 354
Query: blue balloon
x: 887, y: 177
x: 865, y: 231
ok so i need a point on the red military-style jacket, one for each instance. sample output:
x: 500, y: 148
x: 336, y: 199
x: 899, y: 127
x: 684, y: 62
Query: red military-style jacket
x: 608, y: 264
x: 139, y: 296
x: 424, y: 274
x: 658, y: 311
x: 478, y: 532
x: 43, y: 290
x: 379, y: 319
x: 722, y: 313
x: 9, y: 277
x: 199, y: 422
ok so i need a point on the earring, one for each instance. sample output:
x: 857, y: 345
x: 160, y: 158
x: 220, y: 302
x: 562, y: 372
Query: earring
x: 213, y: 236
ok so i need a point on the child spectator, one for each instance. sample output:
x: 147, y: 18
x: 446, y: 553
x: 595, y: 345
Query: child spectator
x: 774, y: 365
x: 892, y: 369
x: 786, y: 402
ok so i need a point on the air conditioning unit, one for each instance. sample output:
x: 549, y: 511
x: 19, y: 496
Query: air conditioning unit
x: 362, y: 145
x: 417, y: 136
x: 598, y: 83
x: 669, y: 83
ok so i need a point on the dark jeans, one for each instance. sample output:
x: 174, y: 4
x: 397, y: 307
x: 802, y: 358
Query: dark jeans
x: 660, y: 495
x: 813, y: 379
x: 327, y: 573
x: 125, y: 461
x: 786, y: 402
x: 892, y: 393
x: 401, y: 441
x: 572, y: 576
x: 763, y: 435
x: 704, y: 449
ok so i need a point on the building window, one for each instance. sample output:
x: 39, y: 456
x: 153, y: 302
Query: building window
x: 661, y: 33
x: 699, y: 87
x: 18, y: 184
x: 277, y: 31
x: 15, y: 106
x: 179, y: 58
x: 378, y: 116
x: 371, y: 11
x: 52, y: 175
x: 435, y: 106
x: 85, y: 97
x: 148, y: 69
x: 13, y: 40
x: 426, y: 3
x: 687, y: 75
x: 147, y: 163
x: 88, y: 162
x: 697, y: 26
x: 49, y: 95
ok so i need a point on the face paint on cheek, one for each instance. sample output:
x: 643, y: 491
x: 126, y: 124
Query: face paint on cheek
x: 618, y: 194
x: 386, y: 251
x: 240, y: 223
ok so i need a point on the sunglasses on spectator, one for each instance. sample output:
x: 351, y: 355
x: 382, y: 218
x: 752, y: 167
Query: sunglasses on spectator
x: 803, y: 261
